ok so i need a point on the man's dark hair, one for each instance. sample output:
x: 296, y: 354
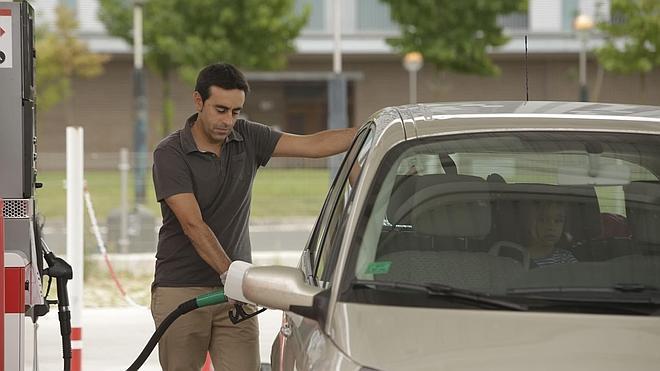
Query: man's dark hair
x: 223, y: 75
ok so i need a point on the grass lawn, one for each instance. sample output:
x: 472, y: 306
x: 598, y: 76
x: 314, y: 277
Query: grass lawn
x: 100, y: 290
x: 277, y: 193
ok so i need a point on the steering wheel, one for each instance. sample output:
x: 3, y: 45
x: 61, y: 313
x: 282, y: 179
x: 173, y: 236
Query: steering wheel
x: 524, y: 253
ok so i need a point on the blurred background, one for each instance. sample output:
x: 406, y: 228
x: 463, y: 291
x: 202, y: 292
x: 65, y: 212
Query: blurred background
x: 129, y: 89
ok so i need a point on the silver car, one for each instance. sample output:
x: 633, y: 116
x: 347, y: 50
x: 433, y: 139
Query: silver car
x: 481, y: 236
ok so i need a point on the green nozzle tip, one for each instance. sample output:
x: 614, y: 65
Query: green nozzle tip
x: 215, y: 297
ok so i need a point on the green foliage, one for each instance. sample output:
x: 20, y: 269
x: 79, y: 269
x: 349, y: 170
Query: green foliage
x: 183, y: 36
x: 62, y: 56
x: 277, y: 193
x: 633, y: 45
x: 253, y: 34
x: 161, y: 29
x: 452, y: 35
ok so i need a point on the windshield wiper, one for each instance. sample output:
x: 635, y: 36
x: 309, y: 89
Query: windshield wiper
x: 620, y: 292
x: 635, y: 287
x: 435, y: 289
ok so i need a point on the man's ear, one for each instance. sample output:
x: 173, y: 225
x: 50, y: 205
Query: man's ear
x: 197, y: 99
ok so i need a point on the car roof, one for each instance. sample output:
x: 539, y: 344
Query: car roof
x: 535, y: 107
x: 568, y: 114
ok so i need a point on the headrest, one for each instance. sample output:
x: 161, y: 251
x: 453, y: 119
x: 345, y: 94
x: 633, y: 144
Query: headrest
x: 449, y: 205
x: 643, y: 210
x: 584, y: 221
x: 404, y: 188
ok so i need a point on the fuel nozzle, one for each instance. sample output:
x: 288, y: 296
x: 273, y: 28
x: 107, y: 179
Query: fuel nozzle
x: 59, y: 269
x: 234, y: 289
x: 62, y: 271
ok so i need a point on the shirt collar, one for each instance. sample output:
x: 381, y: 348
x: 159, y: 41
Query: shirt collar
x: 188, y: 142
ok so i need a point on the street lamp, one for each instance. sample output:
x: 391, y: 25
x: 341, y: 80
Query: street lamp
x: 140, y: 101
x: 413, y: 62
x: 337, y: 88
x: 583, y: 24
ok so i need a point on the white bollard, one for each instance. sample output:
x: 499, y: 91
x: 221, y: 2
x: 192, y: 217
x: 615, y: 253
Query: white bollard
x: 75, y: 220
x: 124, y: 168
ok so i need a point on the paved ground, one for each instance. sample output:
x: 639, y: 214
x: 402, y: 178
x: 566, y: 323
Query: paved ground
x: 113, y: 338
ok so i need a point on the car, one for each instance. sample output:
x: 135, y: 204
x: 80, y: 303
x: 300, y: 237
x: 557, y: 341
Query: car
x: 480, y: 235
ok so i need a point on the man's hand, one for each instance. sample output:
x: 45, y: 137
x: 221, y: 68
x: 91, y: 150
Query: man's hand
x: 322, y: 144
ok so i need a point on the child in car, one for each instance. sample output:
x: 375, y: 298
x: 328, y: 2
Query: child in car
x: 545, y: 229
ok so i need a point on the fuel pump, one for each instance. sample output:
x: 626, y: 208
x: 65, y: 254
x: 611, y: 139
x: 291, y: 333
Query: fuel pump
x: 23, y: 245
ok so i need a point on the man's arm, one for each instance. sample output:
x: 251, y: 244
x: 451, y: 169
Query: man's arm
x: 186, y: 209
x: 321, y: 144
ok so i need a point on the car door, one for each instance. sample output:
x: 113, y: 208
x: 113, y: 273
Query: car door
x: 298, y: 333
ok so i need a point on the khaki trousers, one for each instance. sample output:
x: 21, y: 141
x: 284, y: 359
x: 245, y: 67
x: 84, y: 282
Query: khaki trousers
x: 184, y: 345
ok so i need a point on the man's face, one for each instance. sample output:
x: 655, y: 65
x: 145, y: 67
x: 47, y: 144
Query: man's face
x: 219, y: 112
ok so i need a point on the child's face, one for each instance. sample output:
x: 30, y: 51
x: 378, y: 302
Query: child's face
x: 549, y: 224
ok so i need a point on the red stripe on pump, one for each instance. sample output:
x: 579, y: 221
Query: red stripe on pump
x: 14, y: 290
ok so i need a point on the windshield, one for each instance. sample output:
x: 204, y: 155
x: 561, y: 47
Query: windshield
x: 516, y: 215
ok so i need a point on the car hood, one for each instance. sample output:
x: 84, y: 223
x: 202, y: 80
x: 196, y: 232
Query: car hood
x: 404, y: 338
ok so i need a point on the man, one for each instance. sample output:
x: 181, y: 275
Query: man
x: 203, y: 175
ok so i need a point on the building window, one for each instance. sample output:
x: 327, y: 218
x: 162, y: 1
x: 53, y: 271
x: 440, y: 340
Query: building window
x: 569, y: 10
x: 317, y: 16
x: 373, y: 15
x: 71, y: 4
x: 516, y: 21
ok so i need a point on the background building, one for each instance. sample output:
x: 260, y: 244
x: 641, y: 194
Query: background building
x: 295, y: 100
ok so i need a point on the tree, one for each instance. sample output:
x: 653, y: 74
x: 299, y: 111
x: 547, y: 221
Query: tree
x: 634, y: 44
x: 181, y: 36
x: 253, y: 34
x: 452, y: 35
x: 160, y: 28
x: 60, y: 57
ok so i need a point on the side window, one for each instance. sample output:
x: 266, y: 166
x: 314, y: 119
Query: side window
x: 342, y: 207
x: 314, y: 245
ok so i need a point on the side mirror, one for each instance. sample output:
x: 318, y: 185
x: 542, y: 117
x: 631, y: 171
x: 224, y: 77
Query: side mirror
x: 275, y: 287
x: 278, y: 287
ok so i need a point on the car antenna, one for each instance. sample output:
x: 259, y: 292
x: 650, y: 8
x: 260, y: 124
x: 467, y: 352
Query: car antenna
x: 526, y: 73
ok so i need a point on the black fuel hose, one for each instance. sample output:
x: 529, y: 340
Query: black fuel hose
x: 215, y: 297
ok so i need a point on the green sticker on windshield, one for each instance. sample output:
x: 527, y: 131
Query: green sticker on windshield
x: 379, y: 267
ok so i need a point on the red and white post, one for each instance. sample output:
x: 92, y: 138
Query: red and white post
x: 74, y: 236
x: 2, y: 284
x: 208, y: 365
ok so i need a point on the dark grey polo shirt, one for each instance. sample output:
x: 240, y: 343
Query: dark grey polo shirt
x: 222, y: 186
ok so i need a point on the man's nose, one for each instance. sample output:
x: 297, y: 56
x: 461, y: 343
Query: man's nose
x: 227, y: 118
